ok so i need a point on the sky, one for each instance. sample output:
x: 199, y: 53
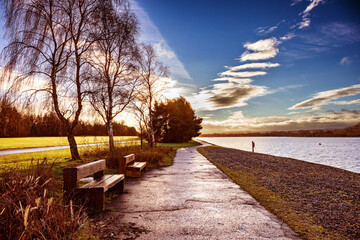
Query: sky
x: 259, y: 65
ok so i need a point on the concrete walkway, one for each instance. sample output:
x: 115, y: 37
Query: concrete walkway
x: 193, y: 200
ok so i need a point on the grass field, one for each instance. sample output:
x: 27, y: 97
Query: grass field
x: 24, y: 159
x: 64, y: 155
x: 33, y: 142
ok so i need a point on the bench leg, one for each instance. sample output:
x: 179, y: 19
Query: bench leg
x: 120, y: 186
x: 98, y: 198
x: 133, y: 173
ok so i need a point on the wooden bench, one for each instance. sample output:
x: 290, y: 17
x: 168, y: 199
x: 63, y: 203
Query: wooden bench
x: 92, y: 193
x: 130, y: 168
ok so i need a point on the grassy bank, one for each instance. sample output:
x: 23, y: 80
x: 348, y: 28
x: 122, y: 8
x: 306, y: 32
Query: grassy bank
x: 33, y: 142
x: 31, y: 191
x: 316, y: 201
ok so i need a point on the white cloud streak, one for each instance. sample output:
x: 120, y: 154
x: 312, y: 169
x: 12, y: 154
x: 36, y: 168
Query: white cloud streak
x: 150, y: 33
x: 247, y: 56
x: 306, y: 13
x: 260, y: 50
x: 234, y: 80
x: 263, y: 65
x: 323, y: 98
x: 312, y: 5
x: 262, y: 45
x: 242, y: 74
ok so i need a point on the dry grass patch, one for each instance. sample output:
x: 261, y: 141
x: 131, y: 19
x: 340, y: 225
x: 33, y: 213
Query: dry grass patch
x: 30, y: 207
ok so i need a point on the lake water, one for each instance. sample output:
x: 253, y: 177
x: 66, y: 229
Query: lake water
x: 337, y: 152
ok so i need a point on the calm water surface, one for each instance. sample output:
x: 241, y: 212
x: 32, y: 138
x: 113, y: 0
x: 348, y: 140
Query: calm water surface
x: 337, y: 152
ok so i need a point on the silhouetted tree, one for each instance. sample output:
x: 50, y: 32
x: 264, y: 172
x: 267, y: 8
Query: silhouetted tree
x: 175, y: 121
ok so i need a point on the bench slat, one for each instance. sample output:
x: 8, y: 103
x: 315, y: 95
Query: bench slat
x: 106, y: 182
x: 139, y: 165
x: 110, y: 182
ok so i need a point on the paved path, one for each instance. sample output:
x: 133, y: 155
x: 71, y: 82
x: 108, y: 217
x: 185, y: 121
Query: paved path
x: 41, y: 149
x: 194, y: 200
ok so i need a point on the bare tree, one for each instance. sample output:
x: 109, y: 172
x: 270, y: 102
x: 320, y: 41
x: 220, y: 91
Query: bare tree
x: 141, y: 118
x: 113, y: 81
x: 49, y: 39
x: 151, y: 71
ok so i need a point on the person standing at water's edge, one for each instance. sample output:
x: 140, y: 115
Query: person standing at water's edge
x: 253, y: 145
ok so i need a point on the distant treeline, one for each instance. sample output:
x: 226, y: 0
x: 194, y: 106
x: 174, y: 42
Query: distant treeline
x: 14, y: 123
x: 352, y: 131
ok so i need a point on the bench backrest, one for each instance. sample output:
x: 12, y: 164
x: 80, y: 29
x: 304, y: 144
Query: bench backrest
x: 125, y: 161
x: 73, y: 174
x: 129, y: 159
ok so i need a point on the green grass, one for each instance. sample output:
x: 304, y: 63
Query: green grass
x: 33, y: 142
x: 62, y: 155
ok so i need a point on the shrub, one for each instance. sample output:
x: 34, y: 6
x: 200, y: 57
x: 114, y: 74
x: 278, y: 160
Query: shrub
x: 28, y: 210
x: 153, y: 156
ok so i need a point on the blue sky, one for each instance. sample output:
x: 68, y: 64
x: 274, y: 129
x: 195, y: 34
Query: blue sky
x: 260, y: 65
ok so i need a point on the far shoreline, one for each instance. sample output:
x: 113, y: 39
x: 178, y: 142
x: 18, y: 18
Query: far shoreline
x: 351, y: 131
x: 271, y: 137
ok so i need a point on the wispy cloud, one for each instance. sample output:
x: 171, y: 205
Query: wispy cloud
x: 237, y: 87
x: 305, y: 15
x: 288, y: 36
x: 263, y: 65
x: 242, y: 74
x: 260, y: 50
x: 323, y: 98
x: 267, y: 30
x: 341, y: 32
x: 324, y: 38
x: 234, y: 80
x: 238, y: 122
x: 304, y: 23
x: 345, y: 61
x: 162, y: 50
x: 312, y: 5
x: 226, y: 95
x: 150, y: 33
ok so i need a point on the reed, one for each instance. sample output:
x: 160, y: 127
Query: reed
x: 31, y: 209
